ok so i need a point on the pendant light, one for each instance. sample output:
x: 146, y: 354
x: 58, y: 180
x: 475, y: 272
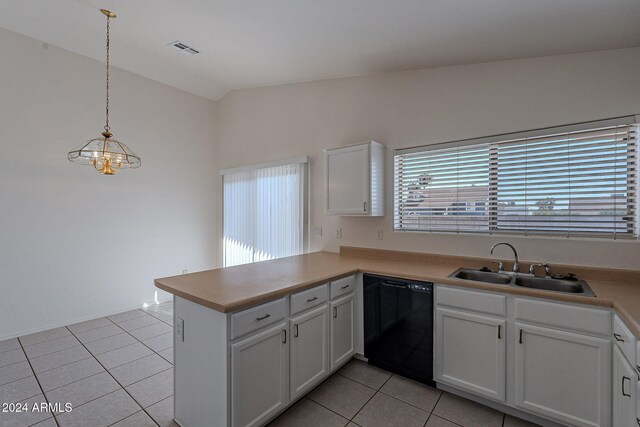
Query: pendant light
x: 105, y: 154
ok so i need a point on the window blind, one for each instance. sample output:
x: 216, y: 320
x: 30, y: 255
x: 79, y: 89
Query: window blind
x: 264, y: 212
x: 571, y: 181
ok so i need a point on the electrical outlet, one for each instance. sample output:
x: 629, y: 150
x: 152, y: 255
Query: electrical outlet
x: 180, y: 328
x: 379, y: 235
x: 317, y: 230
x: 339, y: 233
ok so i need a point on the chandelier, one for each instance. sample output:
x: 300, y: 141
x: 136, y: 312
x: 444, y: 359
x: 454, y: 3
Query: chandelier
x: 105, y: 154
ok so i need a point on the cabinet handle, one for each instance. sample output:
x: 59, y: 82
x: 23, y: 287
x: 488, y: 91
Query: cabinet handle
x: 520, y: 336
x: 335, y: 312
x: 499, y: 330
x: 263, y: 317
x: 623, y: 380
x: 364, y: 206
x: 618, y: 337
x: 312, y: 299
x: 296, y: 328
x: 344, y: 287
x: 284, y: 338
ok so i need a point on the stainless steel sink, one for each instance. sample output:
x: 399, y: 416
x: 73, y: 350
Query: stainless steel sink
x: 483, y: 276
x: 578, y: 287
x: 557, y: 285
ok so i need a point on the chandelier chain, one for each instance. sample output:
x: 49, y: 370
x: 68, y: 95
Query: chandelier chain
x: 106, y: 127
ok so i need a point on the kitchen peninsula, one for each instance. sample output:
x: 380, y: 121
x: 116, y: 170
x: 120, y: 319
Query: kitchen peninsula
x: 230, y: 318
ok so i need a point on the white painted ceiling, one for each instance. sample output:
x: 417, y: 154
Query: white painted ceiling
x: 249, y: 43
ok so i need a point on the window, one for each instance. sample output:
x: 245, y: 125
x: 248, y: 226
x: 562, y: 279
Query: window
x: 578, y: 180
x: 264, y: 211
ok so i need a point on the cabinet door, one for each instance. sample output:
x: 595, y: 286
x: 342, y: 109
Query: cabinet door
x: 309, y: 350
x: 259, y: 376
x: 563, y: 375
x: 470, y: 352
x: 347, y: 181
x: 342, y: 333
x: 624, y: 391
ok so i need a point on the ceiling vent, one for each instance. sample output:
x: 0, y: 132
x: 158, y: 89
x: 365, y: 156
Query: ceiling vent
x: 183, y: 47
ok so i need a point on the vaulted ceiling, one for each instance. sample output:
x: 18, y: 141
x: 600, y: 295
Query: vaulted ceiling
x: 250, y: 43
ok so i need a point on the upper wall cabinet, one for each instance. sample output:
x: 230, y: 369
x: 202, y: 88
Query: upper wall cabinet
x: 354, y: 180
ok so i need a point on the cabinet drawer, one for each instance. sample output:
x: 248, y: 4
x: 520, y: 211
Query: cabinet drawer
x: 624, y: 339
x: 255, y: 318
x: 567, y: 317
x: 482, y: 302
x: 309, y: 298
x: 342, y: 286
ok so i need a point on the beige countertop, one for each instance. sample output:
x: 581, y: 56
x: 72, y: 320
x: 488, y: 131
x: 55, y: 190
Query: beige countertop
x: 235, y: 288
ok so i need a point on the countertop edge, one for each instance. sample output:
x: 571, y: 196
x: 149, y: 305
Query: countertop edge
x: 622, y: 299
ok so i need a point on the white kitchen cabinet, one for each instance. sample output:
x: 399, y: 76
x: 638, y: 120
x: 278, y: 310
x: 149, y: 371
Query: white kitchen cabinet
x: 259, y: 376
x: 625, y: 380
x: 556, y: 357
x: 354, y: 180
x: 309, y: 350
x: 342, y: 331
x: 470, y: 352
x: 624, y: 338
x: 562, y: 375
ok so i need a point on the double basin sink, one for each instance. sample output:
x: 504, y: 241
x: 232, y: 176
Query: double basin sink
x: 577, y: 287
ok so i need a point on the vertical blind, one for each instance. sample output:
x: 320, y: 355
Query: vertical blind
x: 579, y: 180
x: 264, y: 212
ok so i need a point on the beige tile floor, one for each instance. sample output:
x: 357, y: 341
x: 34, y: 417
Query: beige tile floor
x: 117, y: 371
x: 114, y: 371
x: 363, y: 395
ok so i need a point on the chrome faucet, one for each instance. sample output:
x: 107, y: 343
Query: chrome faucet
x: 547, y: 269
x: 516, y: 265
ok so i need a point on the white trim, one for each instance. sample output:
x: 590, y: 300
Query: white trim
x: 575, y: 127
x: 290, y: 161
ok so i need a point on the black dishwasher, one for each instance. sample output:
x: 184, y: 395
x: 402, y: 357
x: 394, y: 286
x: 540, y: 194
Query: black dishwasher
x: 398, y: 326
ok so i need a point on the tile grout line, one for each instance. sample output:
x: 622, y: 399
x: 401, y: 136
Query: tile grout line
x: 137, y: 340
x: 123, y: 388
x: 307, y: 396
x: 38, y: 382
x: 146, y: 378
x: 140, y: 341
x: 107, y: 372
x: 361, y: 383
x: 145, y: 326
x: 394, y: 397
x: 73, y: 382
x: 367, y: 402
x: 134, y: 414
x: 431, y: 414
x: 87, y: 330
x: 66, y: 364
x: 411, y: 404
x: 12, y: 349
x: 439, y: 416
x: 42, y: 342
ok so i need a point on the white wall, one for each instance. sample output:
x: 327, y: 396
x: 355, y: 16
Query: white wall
x: 75, y: 244
x: 430, y: 106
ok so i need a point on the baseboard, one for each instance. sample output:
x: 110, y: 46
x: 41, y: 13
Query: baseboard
x: 72, y: 321
x: 499, y: 406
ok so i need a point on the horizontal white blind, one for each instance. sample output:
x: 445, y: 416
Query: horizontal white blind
x: 577, y: 183
x: 263, y: 213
